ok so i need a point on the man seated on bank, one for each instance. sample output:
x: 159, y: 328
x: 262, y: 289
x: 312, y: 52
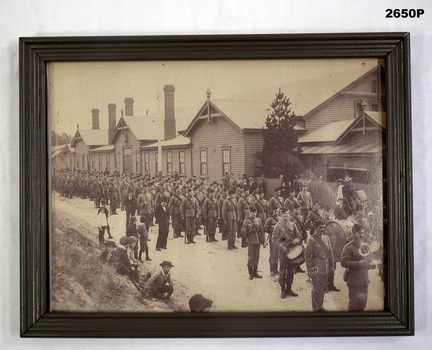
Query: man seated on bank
x: 160, y: 285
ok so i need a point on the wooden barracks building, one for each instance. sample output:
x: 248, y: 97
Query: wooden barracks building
x: 225, y: 136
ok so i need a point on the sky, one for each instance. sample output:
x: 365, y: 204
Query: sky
x: 75, y: 88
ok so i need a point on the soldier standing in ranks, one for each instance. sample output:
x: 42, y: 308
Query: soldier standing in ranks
x: 291, y: 200
x: 199, y: 201
x: 229, y: 215
x: 319, y: 263
x: 189, y: 214
x: 275, y: 202
x: 286, y: 235
x: 174, y: 207
x: 210, y: 214
x: 97, y: 188
x: 305, y: 200
x: 114, y: 196
x: 243, y: 210
x: 261, y: 186
x: 253, y: 230
x: 124, y: 186
x: 130, y: 206
x: 357, y: 264
x: 261, y: 206
x: 222, y: 226
x: 84, y: 184
x: 274, y: 251
x: 225, y: 181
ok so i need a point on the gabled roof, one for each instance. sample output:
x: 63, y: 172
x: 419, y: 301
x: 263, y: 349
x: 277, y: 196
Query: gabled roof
x: 341, y: 91
x: 91, y: 137
x: 334, y: 132
x: 144, y: 128
x: 179, y: 140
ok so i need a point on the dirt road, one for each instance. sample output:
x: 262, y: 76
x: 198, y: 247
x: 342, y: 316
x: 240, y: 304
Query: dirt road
x: 215, y: 272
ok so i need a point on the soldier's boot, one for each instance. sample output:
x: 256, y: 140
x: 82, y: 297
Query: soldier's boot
x: 229, y: 244
x: 283, y: 292
x: 272, y: 269
x: 255, y: 271
x: 290, y: 292
x: 213, y: 239
x: 251, y: 272
x: 233, y: 244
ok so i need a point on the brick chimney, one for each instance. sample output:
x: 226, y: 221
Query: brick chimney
x: 95, y: 118
x: 129, y: 106
x: 112, y: 122
x: 169, y: 122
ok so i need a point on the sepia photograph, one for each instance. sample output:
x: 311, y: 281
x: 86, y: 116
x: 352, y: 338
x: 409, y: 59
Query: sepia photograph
x: 217, y: 186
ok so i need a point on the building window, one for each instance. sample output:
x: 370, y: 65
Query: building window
x: 169, y: 162
x: 137, y: 163
x: 108, y: 167
x: 147, y: 163
x: 157, y: 162
x: 203, y: 163
x: 226, y: 161
x: 182, y: 168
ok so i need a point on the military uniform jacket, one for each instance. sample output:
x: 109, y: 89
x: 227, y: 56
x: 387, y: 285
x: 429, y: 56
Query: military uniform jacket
x: 357, y: 276
x: 189, y: 208
x: 262, y: 208
x: 289, y: 203
x: 312, y: 218
x: 274, y: 203
x: 243, y: 208
x: 229, y: 210
x: 319, y: 254
x: 210, y: 208
x: 284, y: 234
x: 174, y: 205
x: 270, y: 224
x: 143, y: 205
x: 305, y: 200
x: 253, y: 230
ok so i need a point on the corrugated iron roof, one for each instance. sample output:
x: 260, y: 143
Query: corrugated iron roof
x: 328, y: 133
x: 94, y: 137
x: 353, y: 148
x: 103, y: 148
x: 177, y: 141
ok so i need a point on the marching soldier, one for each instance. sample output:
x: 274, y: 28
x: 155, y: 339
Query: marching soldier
x: 305, y: 200
x: 243, y: 210
x: 261, y: 206
x: 275, y: 202
x: 274, y: 252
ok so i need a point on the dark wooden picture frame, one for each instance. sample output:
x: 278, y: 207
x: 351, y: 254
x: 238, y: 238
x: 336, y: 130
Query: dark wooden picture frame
x: 38, y: 321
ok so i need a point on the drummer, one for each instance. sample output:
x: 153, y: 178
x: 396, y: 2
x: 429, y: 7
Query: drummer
x: 285, y: 236
x: 319, y: 263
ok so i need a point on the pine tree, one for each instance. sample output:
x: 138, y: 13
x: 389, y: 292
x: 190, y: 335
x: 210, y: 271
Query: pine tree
x: 279, y: 133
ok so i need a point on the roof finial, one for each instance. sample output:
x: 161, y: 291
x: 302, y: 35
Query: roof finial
x: 208, y: 92
x: 122, y: 112
x: 77, y: 126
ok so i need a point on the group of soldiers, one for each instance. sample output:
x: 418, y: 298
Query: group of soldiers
x: 235, y: 206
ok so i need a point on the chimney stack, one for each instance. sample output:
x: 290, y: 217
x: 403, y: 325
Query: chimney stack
x: 129, y: 106
x: 111, y: 119
x: 95, y: 118
x: 169, y: 122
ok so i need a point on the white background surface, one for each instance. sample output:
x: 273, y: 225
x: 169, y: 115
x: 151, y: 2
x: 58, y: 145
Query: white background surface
x: 112, y: 17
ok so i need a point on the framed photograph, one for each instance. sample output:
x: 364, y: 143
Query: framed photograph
x: 216, y: 186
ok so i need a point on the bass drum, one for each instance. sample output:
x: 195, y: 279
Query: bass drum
x: 338, y: 231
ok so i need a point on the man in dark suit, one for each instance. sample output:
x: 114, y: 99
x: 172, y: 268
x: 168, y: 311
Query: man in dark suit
x: 162, y: 219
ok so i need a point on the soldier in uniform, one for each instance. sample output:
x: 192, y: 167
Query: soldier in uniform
x: 243, y: 210
x: 253, y: 230
x: 189, y: 215
x: 210, y: 214
x: 230, y: 218
x: 174, y: 207
x: 275, y: 202
x: 319, y: 263
x: 357, y: 265
x: 291, y: 199
x: 222, y: 226
x: 313, y: 216
x: 305, y: 200
x: 286, y: 235
x: 274, y: 252
x: 261, y: 205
